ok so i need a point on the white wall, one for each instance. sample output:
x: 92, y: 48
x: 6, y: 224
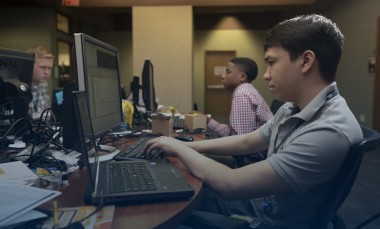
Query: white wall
x: 165, y: 36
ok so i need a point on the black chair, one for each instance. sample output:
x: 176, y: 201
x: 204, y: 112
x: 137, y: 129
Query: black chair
x: 327, y: 212
x: 275, y: 105
x: 344, y: 181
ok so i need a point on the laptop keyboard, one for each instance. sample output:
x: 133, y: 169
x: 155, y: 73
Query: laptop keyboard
x: 134, y: 151
x: 178, y: 123
x: 130, y: 177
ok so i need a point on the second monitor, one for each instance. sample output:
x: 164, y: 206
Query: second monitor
x: 148, y: 91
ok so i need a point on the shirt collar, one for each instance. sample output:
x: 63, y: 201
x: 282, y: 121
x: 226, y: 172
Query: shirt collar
x: 316, y: 103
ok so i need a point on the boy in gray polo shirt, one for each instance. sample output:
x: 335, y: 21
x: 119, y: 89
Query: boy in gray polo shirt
x: 307, y: 139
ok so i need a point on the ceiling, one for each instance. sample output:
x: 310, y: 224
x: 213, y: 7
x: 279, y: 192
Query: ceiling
x: 121, y: 3
x: 106, y: 14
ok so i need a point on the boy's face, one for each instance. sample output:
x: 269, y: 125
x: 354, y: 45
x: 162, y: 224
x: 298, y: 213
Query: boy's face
x: 282, y: 74
x: 42, y: 69
x: 232, y: 77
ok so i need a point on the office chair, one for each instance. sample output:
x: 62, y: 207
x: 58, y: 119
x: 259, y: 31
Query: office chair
x: 344, y: 180
x: 327, y: 212
x: 370, y: 219
x: 275, y: 105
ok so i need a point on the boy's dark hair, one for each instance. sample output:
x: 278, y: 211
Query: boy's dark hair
x: 310, y: 32
x: 246, y: 65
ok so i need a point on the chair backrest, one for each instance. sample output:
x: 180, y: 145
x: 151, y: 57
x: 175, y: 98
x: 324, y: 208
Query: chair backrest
x: 275, y: 105
x: 345, y: 178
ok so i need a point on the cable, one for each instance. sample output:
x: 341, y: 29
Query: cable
x: 37, y: 134
x: 78, y: 224
x: 13, y: 125
x: 98, y: 208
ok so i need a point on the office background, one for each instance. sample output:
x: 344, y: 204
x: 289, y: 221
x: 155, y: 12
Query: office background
x: 177, y: 46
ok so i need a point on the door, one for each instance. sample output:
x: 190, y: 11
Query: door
x: 217, y: 99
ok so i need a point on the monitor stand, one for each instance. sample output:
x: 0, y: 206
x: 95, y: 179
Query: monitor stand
x: 108, y: 149
x: 105, y: 153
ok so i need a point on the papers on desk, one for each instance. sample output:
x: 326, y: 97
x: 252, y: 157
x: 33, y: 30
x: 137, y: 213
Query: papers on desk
x: 17, y: 172
x: 17, y: 201
x: 102, y: 219
x: 70, y: 159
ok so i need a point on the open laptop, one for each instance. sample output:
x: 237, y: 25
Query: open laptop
x: 164, y: 181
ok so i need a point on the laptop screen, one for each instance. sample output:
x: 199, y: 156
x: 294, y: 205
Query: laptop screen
x: 86, y: 136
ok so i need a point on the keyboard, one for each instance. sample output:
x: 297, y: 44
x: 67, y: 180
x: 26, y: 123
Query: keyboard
x: 130, y: 177
x: 135, y: 150
x: 178, y: 123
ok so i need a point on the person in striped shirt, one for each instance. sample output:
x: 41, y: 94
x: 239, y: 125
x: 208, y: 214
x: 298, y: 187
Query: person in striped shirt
x: 249, y: 110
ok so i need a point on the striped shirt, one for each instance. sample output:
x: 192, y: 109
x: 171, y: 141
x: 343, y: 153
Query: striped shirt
x: 40, y: 100
x: 249, y: 111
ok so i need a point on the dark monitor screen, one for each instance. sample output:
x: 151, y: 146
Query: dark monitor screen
x: 135, y: 89
x: 16, y: 65
x: 97, y: 68
x: 148, y: 92
x: 16, y: 74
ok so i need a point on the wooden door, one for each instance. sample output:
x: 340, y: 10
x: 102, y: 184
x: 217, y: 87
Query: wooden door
x: 217, y: 99
x: 376, y: 94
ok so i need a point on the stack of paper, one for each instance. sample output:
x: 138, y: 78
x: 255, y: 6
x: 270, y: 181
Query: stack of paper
x: 17, y: 172
x: 17, y: 201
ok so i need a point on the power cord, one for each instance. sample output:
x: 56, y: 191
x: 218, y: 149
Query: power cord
x: 3, y: 140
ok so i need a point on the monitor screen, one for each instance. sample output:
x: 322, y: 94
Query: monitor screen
x: 97, y: 68
x: 16, y: 74
x: 16, y: 65
x: 135, y: 89
x: 148, y: 92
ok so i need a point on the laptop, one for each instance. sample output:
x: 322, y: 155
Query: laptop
x: 164, y: 181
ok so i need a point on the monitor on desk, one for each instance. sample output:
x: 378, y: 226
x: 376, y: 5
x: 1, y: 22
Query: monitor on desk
x: 135, y: 92
x: 16, y: 74
x: 148, y: 91
x: 97, y: 68
x: 16, y: 66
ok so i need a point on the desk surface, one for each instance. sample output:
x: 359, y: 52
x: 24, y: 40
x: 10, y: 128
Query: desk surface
x: 147, y: 215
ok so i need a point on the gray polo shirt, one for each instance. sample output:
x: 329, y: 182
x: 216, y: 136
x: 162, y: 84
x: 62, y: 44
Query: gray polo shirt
x: 306, y: 149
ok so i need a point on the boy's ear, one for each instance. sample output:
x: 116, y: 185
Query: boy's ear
x: 308, y: 60
x: 243, y: 77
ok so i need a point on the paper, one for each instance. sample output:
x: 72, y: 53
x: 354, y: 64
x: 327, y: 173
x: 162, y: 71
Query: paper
x: 17, y: 200
x: 30, y: 215
x: 100, y: 220
x: 70, y: 159
x: 17, y: 172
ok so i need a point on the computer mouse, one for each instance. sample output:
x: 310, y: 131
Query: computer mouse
x: 155, y: 154
x: 184, y: 138
x: 199, y: 130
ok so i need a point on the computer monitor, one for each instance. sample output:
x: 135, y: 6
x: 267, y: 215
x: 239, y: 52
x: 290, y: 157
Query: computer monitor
x: 97, y: 73
x: 16, y: 73
x: 135, y: 89
x: 16, y: 65
x: 135, y: 92
x: 147, y: 86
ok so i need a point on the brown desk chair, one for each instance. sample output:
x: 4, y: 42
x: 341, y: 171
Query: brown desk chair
x: 327, y: 212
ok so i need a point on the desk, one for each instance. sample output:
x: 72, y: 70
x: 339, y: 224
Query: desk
x: 155, y: 215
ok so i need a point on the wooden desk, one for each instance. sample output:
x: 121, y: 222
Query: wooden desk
x: 155, y: 215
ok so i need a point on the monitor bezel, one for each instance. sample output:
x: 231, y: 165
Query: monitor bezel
x: 82, y: 82
x: 11, y: 55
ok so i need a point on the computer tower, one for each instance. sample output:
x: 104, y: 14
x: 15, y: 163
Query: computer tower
x: 70, y: 131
